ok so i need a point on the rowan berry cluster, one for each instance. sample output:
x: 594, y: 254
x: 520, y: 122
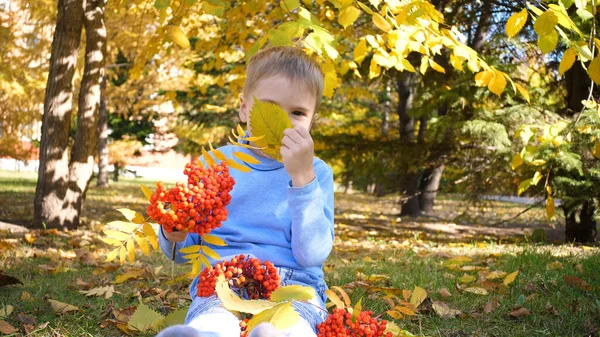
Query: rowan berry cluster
x: 257, y: 279
x: 199, y: 205
x: 243, y: 327
x: 341, y: 324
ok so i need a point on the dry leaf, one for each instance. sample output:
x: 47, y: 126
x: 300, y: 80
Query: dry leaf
x: 418, y: 296
x: 444, y: 311
x: 62, y: 308
x: 131, y: 274
x: 476, y: 290
x: 466, y: 278
x: 23, y: 318
x: 6, y: 280
x: 520, y: 312
x: 25, y: 296
x: 494, y: 274
x: 579, y: 267
x: 510, y: 278
x: 107, y: 292
x: 5, y: 311
x: 29, y: 238
x: 577, y: 282
x: 556, y: 265
x: 445, y: 293
x: 490, y: 306
x: 6, y: 328
x: 123, y: 315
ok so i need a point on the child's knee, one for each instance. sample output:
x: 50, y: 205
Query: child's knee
x: 179, y: 331
x: 266, y: 330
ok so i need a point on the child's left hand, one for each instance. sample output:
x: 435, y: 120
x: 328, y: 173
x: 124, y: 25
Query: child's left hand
x: 297, y: 150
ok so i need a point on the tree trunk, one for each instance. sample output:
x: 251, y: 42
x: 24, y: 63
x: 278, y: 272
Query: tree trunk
x: 103, y: 138
x: 116, y: 172
x: 53, y: 172
x: 84, y: 148
x: 430, y: 184
x: 583, y: 230
x: 483, y: 27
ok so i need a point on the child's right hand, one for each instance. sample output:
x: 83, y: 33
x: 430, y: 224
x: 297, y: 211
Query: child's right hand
x: 175, y: 236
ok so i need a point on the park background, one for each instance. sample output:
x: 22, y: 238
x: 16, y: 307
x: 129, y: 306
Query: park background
x: 464, y: 138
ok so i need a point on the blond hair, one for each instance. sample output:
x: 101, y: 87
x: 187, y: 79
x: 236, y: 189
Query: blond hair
x: 290, y: 62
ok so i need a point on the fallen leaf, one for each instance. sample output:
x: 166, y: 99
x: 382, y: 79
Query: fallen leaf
x: 62, y: 308
x: 520, y: 312
x: 29, y: 238
x: 123, y: 315
x: 494, y: 274
x: 490, y: 306
x: 6, y: 328
x: 476, y: 290
x: 131, y: 274
x: 5, y: 311
x: 577, y: 282
x: 445, y: 293
x: 107, y: 292
x: 144, y: 319
x: 552, y: 309
x: 444, y: 311
x: 82, y: 284
x: 25, y: 319
x: 25, y: 296
x: 466, y: 278
x: 418, y: 296
x: 579, y: 267
x: 510, y: 278
x: 86, y: 257
x: 458, y: 261
x: 556, y: 265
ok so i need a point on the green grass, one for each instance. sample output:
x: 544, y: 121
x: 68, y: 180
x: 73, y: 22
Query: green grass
x: 370, y: 241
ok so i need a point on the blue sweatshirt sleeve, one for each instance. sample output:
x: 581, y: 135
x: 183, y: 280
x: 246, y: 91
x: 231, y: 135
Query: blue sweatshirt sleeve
x: 167, y: 246
x: 311, y: 209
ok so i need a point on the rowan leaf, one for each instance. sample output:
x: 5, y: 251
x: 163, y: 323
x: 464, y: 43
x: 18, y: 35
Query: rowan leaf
x: 510, y: 278
x: 233, y: 302
x: 213, y: 240
x: 293, y: 292
x: 516, y: 22
x: 143, y: 244
x: 147, y: 192
x: 208, y: 158
x: 270, y: 120
x: 246, y: 158
x: 62, y: 308
x: 190, y: 249
x: 235, y: 165
x: 127, y: 213
x: 567, y: 61
x: 335, y: 299
x: 418, y: 296
x: 130, y: 251
x: 348, y: 16
x: 594, y: 70
x: 343, y: 294
x: 144, y: 319
x: 117, y: 235
x: 112, y: 255
x: 210, y: 253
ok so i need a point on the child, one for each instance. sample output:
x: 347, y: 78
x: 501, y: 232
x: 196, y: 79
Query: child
x: 280, y: 212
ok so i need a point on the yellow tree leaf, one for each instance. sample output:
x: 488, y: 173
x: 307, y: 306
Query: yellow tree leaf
x: 190, y: 249
x: 62, y: 308
x: 147, y: 192
x: 510, y: 278
x: 483, y: 78
x: 516, y: 22
x: 344, y: 295
x: 567, y: 60
x: 550, y: 208
x: 596, y: 150
x: 497, y: 83
x: 360, y: 51
x: 208, y: 158
x: 112, y: 241
x: 331, y: 79
x: 270, y: 120
x: 545, y: 23
x: 548, y: 42
x: 130, y: 251
x: 523, y: 92
x: 235, y: 165
x: 282, y: 316
x: 210, y: 253
x: 150, y: 235
x: 246, y: 158
x: 424, y: 64
x: 123, y: 226
x: 144, y: 319
x: 231, y: 301
x: 436, y: 66
x: 112, y: 255
x: 293, y: 292
x: 594, y: 70
x: 516, y: 161
x: 213, y: 240
x: 418, y: 296
x: 118, y: 235
x: 130, y: 274
x: 218, y: 154
x: 381, y: 22
x: 348, y: 15
x: 524, y: 185
x: 127, y: 213
x: 143, y: 243
x: 335, y: 299
x: 179, y: 37
x: 122, y: 254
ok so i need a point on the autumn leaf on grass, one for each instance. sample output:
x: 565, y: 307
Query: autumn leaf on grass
x: 494, y: 274
x: 6, y: 310
x: 6, y: 328
x: 457, y: 261
x: 476, y: 290
x: 144, y: 319
x: 131, y: 274
x: 443, y: 310
x: 62, y: 308
x: 466, y: 278
x: 107, y: 292
x: 270, y: 120
x: 577, y: 282
x: 520, y: 312
x: 418, y: 296
x: 510, y: 278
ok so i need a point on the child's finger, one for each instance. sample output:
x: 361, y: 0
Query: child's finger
x: 293, y: 134
x: 302, y: 131
x: 287, y: 141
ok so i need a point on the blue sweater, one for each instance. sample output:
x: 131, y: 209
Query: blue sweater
x: 269, y: 219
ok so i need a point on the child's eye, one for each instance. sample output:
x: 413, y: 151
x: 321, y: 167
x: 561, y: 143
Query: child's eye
x: 298, y: 113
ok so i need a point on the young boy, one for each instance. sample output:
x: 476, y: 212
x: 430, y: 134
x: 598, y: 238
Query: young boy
x: 280, y: 212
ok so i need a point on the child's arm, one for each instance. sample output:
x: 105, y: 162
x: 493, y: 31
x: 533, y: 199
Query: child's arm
x: 175, y: 240
x: 310, y: 199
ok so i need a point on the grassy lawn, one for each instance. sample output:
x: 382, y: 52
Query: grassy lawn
x: 376, y: 255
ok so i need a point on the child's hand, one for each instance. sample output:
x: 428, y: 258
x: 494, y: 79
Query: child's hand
x: 175, y: 236
x: 297, y: 149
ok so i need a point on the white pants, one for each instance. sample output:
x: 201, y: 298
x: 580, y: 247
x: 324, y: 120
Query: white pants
x: 226, y: 324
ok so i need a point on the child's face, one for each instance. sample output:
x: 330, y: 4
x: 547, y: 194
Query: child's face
x: 299, y: 104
